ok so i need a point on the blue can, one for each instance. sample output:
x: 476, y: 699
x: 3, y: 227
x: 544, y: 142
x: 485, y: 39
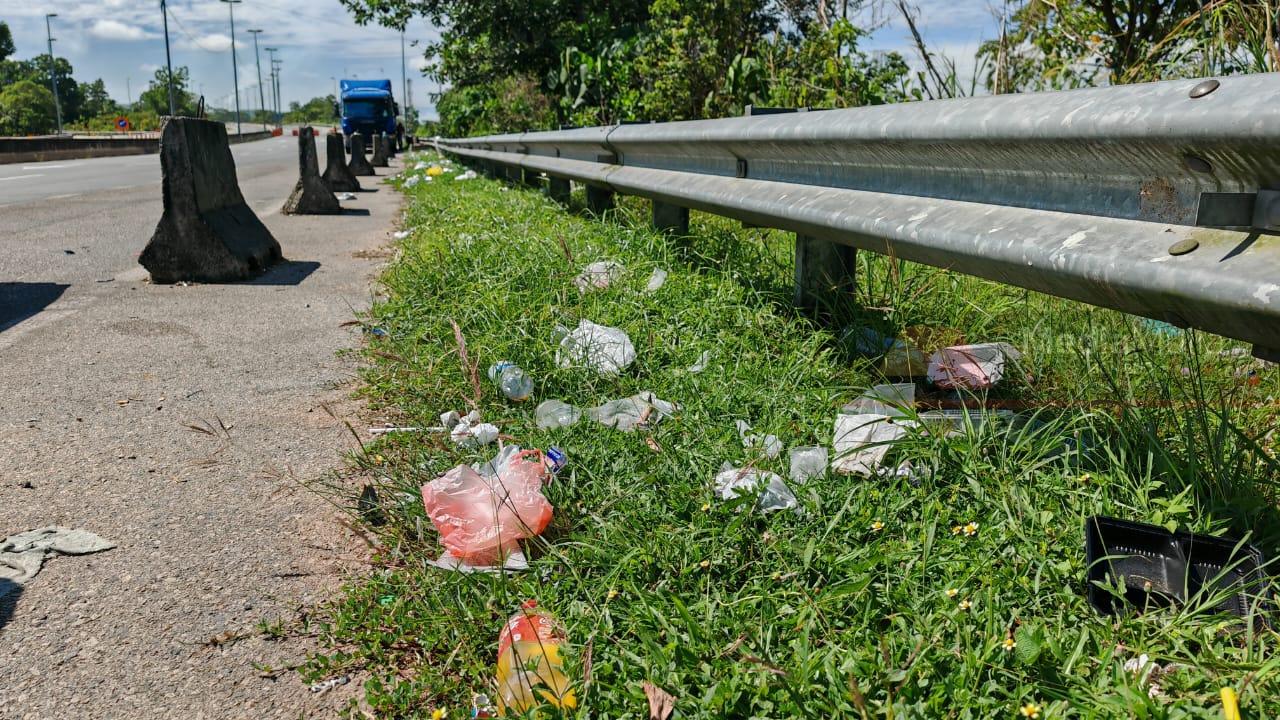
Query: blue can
x: 555, y: 459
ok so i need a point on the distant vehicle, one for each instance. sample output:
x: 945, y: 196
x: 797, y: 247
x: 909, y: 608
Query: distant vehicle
x: 367, y: 107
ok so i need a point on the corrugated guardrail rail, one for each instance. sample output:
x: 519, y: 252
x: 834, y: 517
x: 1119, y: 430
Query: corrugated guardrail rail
x: 1161, y: 200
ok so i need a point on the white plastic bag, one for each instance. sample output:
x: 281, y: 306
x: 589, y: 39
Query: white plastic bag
x: 605, y: 349
x: 861, y: 441
x: 774, y: 494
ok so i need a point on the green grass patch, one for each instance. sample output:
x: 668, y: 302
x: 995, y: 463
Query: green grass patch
x: 813, y: 615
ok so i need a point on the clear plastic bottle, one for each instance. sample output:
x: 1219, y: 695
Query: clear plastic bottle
x: 530, y: 668
x: 514, y: 382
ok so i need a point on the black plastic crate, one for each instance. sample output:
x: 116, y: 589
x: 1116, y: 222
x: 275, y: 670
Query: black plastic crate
x: 1161, y: 568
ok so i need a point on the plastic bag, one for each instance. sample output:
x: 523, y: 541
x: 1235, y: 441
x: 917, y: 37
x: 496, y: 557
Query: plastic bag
x: 640, y: 409
x: 598, y: 275
x: 605, y: 349
x: 971, y: 367
x: 482, y: 519
x: 733, y: 482
x: 530, y: 667
x: 861, y: 441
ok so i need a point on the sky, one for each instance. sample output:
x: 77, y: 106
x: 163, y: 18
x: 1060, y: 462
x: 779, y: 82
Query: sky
x: 122, y: 42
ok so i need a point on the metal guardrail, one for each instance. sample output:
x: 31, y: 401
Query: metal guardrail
x: 1161, y: 200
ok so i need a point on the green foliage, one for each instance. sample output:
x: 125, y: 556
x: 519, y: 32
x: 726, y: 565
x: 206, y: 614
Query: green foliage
x: 6, y: 41
x: 1052, y: 45
x: 156, y: 97
x: 26, y: 108
x: 508, y: 104
x: 97, y: 102
x: 322, y: 110
x: 826, y: 70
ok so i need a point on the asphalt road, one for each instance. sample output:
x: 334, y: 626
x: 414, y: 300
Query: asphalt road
x: 64, y: 179
x: 185, y: 424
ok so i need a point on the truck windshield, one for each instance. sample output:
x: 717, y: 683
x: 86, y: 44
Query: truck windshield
x: 366, y: 110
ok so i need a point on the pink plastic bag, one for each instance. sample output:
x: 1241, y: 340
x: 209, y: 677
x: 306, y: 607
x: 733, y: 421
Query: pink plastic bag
x: 482, y: 519
x: 971, y: 367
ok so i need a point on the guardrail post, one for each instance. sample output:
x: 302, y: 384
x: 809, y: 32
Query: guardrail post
x: 824, y: 270
x: 599, y: 199
x: 558, y: 189
x: 671, y: 219
x: 531, y: 178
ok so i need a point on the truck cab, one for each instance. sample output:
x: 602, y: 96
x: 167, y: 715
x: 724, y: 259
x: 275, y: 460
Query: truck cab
x: 367, y: 107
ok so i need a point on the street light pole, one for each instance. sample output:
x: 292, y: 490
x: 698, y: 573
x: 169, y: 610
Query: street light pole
x: 168, y: 59
x: 404, y: 84
x: 257, y: 58
x: 53, y: 76
x: 235, y: 68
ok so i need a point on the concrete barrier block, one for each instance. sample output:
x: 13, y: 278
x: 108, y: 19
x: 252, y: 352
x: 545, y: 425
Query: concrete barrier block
x: 311, y: 196
x: 207, y: 233
x: 380, y: 151
x: 337, y: 175
x: 359, y: 165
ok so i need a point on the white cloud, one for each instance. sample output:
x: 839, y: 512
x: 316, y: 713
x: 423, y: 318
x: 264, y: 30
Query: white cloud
x: 148, y: 68
x: 114, y: 30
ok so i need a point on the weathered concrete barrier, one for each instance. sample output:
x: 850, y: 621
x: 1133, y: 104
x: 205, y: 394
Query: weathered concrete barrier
x: 337, y: 175
x: 359, y: 163
x: 311, y: 196
x: 207, y: 233
x: 380, y: 151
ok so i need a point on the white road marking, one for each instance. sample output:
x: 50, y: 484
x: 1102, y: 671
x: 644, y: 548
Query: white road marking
x: 44, y: 167
x: 20, y: 177
x: 63, y: 197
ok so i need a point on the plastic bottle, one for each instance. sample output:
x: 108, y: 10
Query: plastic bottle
x: 530, y: 669
x: 513, y: 381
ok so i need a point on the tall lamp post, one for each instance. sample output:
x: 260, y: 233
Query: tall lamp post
x: 53, y: 76
x: 235, y: 68
x: 257, y: 58
x: 168, y: 59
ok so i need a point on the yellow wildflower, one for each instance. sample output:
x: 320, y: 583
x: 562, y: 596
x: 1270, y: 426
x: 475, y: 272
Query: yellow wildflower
x: 965, y: 605
x: 1031, y: 710
x: 438, y: 714
x: 1009, y: 644
x: 952, y: 592
x: 705, y: 564
x: 971, y: 529
x: 877, y: 526
x: 612, y: 594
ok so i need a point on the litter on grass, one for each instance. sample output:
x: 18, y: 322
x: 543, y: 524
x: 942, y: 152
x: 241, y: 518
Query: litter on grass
x: 326, y: 685
x: 703, y: 360
x: 656, y: 280
x: 555, y: 413
x: 861, y: 441
x: 469, y: 431
x: 468, y: 175
x: 770, y: 444
x: 346, y: 196
x: 413, y: 181
x: 904, y: 359
x: 481, y: 519
x: 731, y: 483
x: 807, y: 462
x: 598, y: 275
x: 626, y: 414
x: 514, y: 562
x: 607, y: 350
x: 892, y: 400
x: 971, y: 367
x: 401, y: 234
x: 530, y: 663
x: 22, y: 555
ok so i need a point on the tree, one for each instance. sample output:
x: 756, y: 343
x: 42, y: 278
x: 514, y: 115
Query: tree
x: 316, y: 110
x: 70, y: 95
x: 26, y: 108
x: 156, y: 97
x: 97, y: 102
x: 6, y: 41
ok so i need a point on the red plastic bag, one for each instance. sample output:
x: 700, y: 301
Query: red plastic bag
x: 482, y: 519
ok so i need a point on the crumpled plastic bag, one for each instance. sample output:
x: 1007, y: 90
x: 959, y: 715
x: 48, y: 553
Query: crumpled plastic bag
x: 598, y: 275
x: 770, y: 444
x: 861, y: 441
x: 468, y: 431
x: 656, y: 281
x: 807, y: 462
x: 643, y: 408
x: 481, y: 520
x: 605, y: 349
x: 22, y: 555
x: 774, y: 494
x: 971, y: 367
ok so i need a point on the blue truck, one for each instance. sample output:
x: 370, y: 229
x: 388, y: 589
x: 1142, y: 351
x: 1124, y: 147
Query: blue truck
x: 367, y: 108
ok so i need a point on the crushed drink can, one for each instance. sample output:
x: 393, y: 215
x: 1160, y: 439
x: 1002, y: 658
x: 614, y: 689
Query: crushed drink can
x: 555, y: 459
